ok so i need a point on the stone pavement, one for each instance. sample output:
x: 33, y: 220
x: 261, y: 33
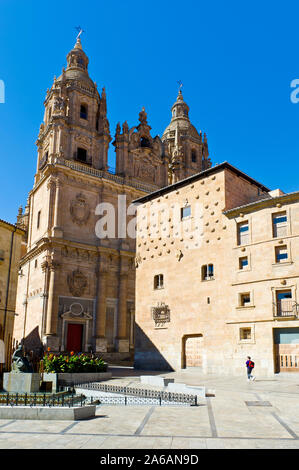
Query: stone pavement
x: 263, y: 414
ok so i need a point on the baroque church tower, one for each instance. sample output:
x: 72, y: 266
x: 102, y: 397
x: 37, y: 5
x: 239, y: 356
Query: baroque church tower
x: 75, y: 121
x: 188, y: 149
x: 76, y: 289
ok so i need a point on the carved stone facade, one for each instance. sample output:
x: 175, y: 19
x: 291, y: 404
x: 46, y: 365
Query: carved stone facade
x: 75, y: 284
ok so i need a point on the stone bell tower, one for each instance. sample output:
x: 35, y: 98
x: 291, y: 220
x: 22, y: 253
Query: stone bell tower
x: 75, y: 123
x: 76, y: 288
x: 188, y: 149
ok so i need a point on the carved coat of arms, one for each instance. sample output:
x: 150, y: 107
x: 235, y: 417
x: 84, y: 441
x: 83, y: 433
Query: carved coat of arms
x: 80, y: 210
x: 77, y: 283
x: 161, y: 315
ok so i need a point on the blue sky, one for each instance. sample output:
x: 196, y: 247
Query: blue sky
x: 236, y: 61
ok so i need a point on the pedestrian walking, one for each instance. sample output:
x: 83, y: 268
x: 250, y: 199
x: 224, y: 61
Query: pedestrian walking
x: 249, y: 366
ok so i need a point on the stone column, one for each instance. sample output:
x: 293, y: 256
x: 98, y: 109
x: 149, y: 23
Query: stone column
x: 57, y: 231
x: 51, y: 201
x: 52, y: 308
x: 45, y: 271
x: 122, y: 340
x: 100, y: 333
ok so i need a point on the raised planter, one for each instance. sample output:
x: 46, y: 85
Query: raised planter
x: 67, y: 379
x: 45, y: 412
x: 25, y: 382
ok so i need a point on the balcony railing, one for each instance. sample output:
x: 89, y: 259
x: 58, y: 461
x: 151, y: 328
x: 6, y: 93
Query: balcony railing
x: 286, y: 308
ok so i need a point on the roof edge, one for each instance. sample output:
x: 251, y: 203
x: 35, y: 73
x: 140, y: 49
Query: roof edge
x: 198, y: 176
x: 263, y: 202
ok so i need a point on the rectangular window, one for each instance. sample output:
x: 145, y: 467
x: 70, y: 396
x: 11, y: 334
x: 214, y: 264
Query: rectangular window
x: 38, y: 219
x: 279, y: 223
x: 281, y: 254
x: 243, y: 262
x: 81, y: 155
x: 185, y: 212
x: 245, y: 299
x: 285, y: 304
x: 83, y: 111
x: 159, y: 281
x: 245, y: 333
x: 243, y: 233
x: 207, y: 272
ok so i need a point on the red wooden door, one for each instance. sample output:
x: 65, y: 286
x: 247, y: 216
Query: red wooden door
x: 74, y: 337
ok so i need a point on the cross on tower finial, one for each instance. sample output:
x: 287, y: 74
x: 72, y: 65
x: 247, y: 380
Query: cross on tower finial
x: 80, y: 31
x: 180, y: 85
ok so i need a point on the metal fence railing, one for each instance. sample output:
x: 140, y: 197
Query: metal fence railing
x: 286, y: 308
x: 146, y: 394
x: 40, y: 399
x: 74, y: 400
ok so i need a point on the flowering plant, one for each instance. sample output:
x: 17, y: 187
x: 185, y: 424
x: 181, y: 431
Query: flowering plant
x: 73, y: 363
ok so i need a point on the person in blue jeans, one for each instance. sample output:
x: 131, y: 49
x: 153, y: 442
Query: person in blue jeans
x: 249, y: 366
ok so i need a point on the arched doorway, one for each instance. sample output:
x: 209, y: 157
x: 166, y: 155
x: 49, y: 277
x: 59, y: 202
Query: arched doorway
x: 192, y: 348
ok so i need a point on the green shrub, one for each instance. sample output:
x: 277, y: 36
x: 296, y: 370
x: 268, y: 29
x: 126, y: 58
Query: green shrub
x: 73, y: 363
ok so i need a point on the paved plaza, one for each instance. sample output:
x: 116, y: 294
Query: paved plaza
x: 263, y: 414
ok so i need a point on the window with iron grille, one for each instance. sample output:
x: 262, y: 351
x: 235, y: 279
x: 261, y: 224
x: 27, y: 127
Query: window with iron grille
x: 284, y: 303
x: 281, y: 254
x: 279, y: 224
x: 243, y: 233
x: 243, y: 262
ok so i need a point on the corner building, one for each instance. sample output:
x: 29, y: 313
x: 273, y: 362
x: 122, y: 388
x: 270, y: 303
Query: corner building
x: 10, y: 253
x: 76, y: 291
x: 218, y: 274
